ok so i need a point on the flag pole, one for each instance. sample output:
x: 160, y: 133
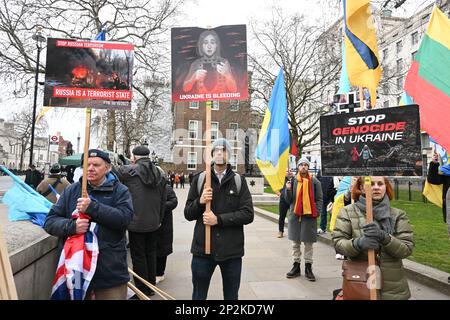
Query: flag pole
x: 87, y: 132
x: 369, y: 219
x: 208, y: 173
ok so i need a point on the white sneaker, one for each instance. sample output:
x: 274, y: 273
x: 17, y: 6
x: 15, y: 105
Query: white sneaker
x: 320, y: 231
x: 340, y: 256
x: 159, y: 279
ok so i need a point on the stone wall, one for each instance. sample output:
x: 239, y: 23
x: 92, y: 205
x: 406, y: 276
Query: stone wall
x: 33, y: 256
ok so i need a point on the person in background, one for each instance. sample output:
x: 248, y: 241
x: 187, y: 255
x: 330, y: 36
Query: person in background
x: 164, y: 235
x: 390, y: 235
x: 147, y: 184
x: 32, y: 176
x: 328, y: 192
x: 53, y: 185
x: 283, y: 205
x: 305, y: 197
x: 441, y: 175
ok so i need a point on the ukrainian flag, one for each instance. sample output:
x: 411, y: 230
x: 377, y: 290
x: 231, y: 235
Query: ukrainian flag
x: 272, y: 152
x: 361, y: 51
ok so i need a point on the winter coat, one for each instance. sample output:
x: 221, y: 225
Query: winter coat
x: 164, y: 234
x: 303, y: 229
x: 349, y: 223
x: 148, y: 190
x: 43, y: 187
x: 434, y: 177
x: 233, y: 211
x: 112, y: 209
x: 33, y: 178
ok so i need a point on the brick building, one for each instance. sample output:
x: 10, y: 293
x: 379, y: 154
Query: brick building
x: 231, y: 119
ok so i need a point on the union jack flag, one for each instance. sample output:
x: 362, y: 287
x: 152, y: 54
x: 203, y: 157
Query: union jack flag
x: 77, y: 264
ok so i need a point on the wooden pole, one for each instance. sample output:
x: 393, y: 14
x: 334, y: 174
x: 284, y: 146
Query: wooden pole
x: 87, y: 134
x: 208, y: 173
x: 369, y: 219
x: 7, y: 286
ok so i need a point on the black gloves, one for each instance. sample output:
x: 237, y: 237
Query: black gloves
x: 372, y: 230
x: 365, y: 243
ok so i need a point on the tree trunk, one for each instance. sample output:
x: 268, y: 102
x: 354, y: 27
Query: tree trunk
x: 111, y: 130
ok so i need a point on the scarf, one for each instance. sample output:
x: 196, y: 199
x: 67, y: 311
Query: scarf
x: 381, y: 212
x: 304, y: 200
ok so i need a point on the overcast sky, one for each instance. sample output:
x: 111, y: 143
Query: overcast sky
x: 199, y: 13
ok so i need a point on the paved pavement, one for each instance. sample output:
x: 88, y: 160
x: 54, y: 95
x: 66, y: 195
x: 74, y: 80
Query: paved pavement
x: 265, y: 264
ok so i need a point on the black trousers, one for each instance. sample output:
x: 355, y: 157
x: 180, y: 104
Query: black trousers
x: 143, y: 257
x: 283, y: 209
x: 161, y: 265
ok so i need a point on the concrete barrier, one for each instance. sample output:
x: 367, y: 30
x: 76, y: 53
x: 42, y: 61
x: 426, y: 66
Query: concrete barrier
x: 33, y: 256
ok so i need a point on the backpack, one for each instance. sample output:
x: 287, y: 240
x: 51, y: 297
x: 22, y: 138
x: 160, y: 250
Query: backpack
x: 202, y: 176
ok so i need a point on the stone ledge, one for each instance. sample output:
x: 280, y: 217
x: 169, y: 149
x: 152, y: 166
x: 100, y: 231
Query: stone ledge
x: 423, y: 274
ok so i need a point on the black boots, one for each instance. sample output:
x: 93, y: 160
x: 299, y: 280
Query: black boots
x: 295, y: 271
x: 308, y: 272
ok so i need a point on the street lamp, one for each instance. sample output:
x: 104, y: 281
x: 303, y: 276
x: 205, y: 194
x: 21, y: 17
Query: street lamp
x: 39, y: 39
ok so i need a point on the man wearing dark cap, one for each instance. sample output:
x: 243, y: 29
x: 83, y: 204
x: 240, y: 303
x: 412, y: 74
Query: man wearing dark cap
x: 109, y: 205
x: 231, y: 209
x: 147, y: 184
x: 53, y: 185
x: 32, y: 176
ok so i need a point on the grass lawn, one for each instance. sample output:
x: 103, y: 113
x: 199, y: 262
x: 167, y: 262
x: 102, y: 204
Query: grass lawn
x: 432, y: 244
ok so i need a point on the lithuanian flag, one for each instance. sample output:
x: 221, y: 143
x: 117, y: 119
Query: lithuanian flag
x: 428, y: 79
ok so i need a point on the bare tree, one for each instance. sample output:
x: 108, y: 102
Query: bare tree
x: 310, y: 66
x: 22, y: 132
x: 141, y: 22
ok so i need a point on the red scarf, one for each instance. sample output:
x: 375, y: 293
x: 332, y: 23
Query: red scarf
x: 298, y: 207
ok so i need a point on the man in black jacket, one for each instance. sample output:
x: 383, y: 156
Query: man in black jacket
x: 231, y: 209
x: 147, y: 185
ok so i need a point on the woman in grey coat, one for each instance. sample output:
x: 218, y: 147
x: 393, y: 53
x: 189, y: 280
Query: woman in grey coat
x: 302, y: 220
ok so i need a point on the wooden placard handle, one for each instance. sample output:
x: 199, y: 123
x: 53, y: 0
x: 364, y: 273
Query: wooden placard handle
x: 87, y: 133
x: 208, y: 173
x: 369, y: 219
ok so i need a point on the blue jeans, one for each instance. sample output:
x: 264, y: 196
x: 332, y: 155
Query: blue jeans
x: 203, y: 269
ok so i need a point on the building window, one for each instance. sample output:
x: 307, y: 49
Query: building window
x: 193, y: 129
x: 233, y: 161
x: 414, y: 38
x: 192, y: 161
x: 399, y: 83
x: 399, y: 46
x: 214, y: 130
x: 385, y: 53
x: 234, y: 126
x: 215, y: 105
x: 385, y: 88
x: 41, y: 157
x: 193, y: 105
x: 234, y: 105
x: 399, y: 65
x: 386, y: 104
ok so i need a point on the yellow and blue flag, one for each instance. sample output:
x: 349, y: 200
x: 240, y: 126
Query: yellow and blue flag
x: 272, y: 152
x: 361, y: 51
x: 344, y: 83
